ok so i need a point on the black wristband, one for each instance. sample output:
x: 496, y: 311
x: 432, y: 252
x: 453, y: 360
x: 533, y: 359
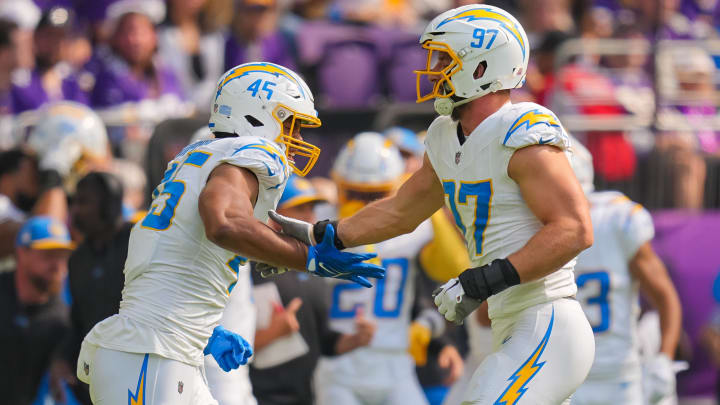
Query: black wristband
x: 319, y: 232
x: 49, y: 178
x: 482, y: 282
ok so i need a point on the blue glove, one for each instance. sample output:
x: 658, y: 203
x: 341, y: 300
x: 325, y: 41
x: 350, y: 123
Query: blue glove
x: 229, y: 349
x: 324, y: 260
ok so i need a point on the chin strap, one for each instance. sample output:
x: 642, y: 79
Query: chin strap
x: 445, y: 106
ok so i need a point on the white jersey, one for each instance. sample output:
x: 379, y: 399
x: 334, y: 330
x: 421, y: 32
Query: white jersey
x: 606, y: 289
x: 177, y: 282
x: 390, y: 302
x: 487, y: 204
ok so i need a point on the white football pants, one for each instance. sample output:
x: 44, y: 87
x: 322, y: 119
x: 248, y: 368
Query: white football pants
x: 368, y: 377
x: 544, y: 353
x: 121, y: 378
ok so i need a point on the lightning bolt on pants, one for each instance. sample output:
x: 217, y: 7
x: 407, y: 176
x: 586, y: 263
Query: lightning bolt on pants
x: 121, y: 378
x: 543, y: 354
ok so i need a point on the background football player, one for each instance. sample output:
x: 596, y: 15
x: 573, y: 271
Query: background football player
x: 208, y: 215
x: 370, y: 167
x: 609, y: 275
x: 504, y: 172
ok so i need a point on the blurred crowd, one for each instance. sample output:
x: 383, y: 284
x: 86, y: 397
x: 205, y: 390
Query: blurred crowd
x: 97, y: 96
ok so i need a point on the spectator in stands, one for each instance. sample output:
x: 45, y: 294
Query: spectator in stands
x: 52, y: 78
x: 33, y: 318
x: 256, y: 37
x: 128, y: 71
x: 18, y: 193
x: 304, y: 308
x: 542, y: 16
x: 8, y: 63
x: 26, y: 15
x: 95, y: 270
x: 193, y: 45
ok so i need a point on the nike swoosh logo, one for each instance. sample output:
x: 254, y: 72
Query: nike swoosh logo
x: 544, y: 141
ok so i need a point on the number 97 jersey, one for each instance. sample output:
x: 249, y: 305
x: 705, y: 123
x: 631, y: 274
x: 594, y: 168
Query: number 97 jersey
x: 606, y: 289
x: 487, y: 204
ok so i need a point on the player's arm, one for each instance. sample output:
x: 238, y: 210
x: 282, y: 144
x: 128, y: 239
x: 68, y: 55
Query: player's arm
x: 553, y: 194
x: 551, y: 191
x: 656, y: 285
x: 226, y: 208
x: 416, y: 200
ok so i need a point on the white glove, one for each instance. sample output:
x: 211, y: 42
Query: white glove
x: 452, y: 302
x: 300, y: 230
x: 658, y: 378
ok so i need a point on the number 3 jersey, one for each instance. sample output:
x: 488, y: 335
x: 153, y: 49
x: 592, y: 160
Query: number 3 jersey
x: 487, y: 204
x: 177, y: 282
x: 606, y: 289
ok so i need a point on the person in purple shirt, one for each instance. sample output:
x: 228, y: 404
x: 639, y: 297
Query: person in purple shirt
x: 255, y: 36
x: 52, y: 78
x: 128, y: 71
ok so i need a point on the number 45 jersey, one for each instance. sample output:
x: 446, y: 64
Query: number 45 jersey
x: 177, y: 282
x: 487, y: 204
x: 606, y: 289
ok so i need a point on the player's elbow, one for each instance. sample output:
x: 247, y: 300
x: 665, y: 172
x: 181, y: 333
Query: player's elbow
x: 583, y: 234
x: 217, y: 232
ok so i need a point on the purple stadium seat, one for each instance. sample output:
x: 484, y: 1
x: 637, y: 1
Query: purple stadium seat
x: 348, y: 76
x: 406, y: 57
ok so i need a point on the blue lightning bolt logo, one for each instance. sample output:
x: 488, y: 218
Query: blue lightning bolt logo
x: 139, y: 397
x: 526, y: 372
x: 529, y: 119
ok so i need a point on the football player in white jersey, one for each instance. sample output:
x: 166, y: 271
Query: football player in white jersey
x: 609, y: 275
x: 207, y: 217
x: 369, y: 167
x: 503, y: 170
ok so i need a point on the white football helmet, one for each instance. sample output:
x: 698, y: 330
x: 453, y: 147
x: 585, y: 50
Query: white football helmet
x: 368, y: 167
x: 471, y: 35
x: 69, y: 138
x: 582, y: 165
x: 257, y: 98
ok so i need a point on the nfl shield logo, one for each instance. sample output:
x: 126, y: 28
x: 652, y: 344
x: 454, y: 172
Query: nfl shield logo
x: 180, y: 387
x: 86, y: 368
x: 457, y: 158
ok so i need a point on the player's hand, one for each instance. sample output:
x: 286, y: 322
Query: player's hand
x: 419, y: 337
x: 229, y: 349
x: 306, y: 232
x: 658, y: 378
x: 364, y: 329
x: 268, y: 270
x: 300, y: 230
x: 452, y: 302
x: 450, y: 359
x: 284, y: 320
x: 325, y: 260
x: 60, y: 374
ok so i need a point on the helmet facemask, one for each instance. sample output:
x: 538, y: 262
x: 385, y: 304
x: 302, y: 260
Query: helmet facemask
x: 296, y: 147
x: 443, y: 87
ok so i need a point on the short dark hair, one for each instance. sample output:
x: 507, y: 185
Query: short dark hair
x: 7, y: 28
x: 10, y: 161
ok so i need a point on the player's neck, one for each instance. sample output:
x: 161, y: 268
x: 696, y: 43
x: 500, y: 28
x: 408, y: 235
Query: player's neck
x: 478, y: 110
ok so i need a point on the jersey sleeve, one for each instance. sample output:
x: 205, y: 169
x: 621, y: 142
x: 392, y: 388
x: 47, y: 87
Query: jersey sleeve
x: 264, y: 159
x: 636, y: 228
x: 533, y: 124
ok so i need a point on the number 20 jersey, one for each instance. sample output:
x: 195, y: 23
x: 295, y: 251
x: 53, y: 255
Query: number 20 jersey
x: 606, y: 289
x: 487, y: 204
x: 177, y: 282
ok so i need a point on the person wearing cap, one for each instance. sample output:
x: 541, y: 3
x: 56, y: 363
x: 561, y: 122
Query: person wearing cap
x: 303, y: 309
x: 255, y: 36
x: 33, y: 317
x: 52, y: 78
